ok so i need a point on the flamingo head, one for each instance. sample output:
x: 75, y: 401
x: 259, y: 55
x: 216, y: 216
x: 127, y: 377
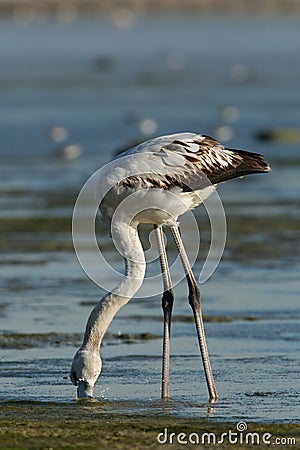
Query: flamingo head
x: 85, y: 370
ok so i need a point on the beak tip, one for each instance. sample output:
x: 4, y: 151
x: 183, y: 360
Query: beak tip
x: 84, y: 390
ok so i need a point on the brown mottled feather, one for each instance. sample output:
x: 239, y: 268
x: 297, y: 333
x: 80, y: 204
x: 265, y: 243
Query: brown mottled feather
x: 211, y: 163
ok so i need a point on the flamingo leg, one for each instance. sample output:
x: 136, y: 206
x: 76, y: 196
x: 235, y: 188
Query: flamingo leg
x: 167, y: 305
x: 194, y: 300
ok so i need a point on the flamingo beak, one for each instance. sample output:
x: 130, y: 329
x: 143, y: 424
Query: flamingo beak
x: 84, y: 389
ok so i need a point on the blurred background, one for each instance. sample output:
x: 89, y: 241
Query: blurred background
x: 79, y: 80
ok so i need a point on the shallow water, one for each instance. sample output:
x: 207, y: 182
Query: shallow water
x: 100, y: 83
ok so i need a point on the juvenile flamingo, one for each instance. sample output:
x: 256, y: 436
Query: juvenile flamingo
x: 189, y: 166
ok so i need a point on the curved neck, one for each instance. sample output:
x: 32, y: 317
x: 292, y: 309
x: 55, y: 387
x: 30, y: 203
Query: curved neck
x: 128, y: 243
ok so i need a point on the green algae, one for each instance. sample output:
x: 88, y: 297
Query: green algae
x: 251, y: 241
x: 216, y: 318
x: 22, y: 341
x: 129, y: 338
x: 248, y: 237
x: 35, y: 224
x: 112, y: 425
x: 212, y: 318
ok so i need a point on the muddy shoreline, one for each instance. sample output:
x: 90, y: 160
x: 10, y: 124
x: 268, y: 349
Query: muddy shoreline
x: 110, y: 425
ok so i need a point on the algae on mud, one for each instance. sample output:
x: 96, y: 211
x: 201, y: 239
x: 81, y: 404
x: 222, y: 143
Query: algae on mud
x: 249, y: 238
x: 22, y: 341
x: 111, y: 425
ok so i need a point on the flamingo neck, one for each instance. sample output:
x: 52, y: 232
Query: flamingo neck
x: 128, y: 242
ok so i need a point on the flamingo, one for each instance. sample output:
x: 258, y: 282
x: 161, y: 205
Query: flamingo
x: 189, y: 166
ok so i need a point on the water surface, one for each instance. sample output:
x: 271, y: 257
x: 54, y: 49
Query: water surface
x: 100, y: 83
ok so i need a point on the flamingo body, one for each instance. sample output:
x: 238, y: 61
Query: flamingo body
x: 156, y: 182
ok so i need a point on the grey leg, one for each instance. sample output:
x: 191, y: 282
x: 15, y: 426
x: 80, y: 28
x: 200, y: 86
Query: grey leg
x: 194, y: 300
x: 167, y: 305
